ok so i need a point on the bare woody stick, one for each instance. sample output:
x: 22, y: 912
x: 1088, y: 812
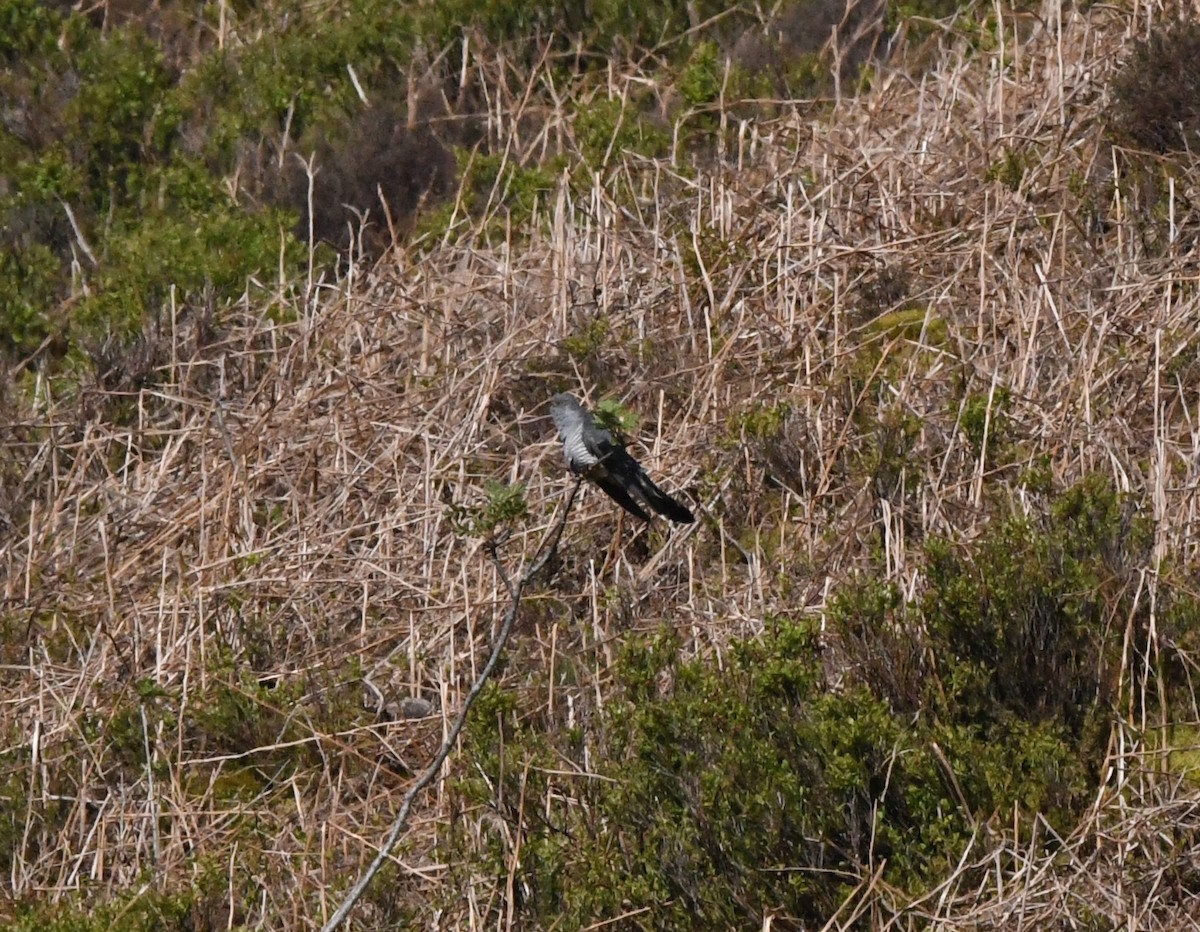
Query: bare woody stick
x: 515, y: 590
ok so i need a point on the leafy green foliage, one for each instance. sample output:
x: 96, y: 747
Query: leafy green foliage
x: 763, y: 420
x: 96, y: 182
x: 191, y: 239
x: 920, y: 16
x: 1011, y: 169
x: 142, y: 912
x: 700, y: 82
x: 504, y: 504
x: 985, y: 419
x: 727, y: 792
x: 509, y: 193
x: 615, y: 416
x: 734, y: 787
x: 603, y: 25
x: 611, y: 126
x: 116, y: 121
x: 203, y: 904
x: 294, y: 74
x: 26, y: 28
x: 496, y: 179
x: 589, y: 340
x: 29, y: 281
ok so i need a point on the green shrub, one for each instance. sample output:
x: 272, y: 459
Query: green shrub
x: 504, y: 504
x: 204, y: 905
x: 117, y: 122
x: 599, y: 26
x: 29, y: 282
x: 612, y: 126
x: 210, y: 251
x: 96, y: 181
x: 1031, y: 621
x: 726, y: 792
x: 985, y: 418
x: 27, y: 27
x: 700, y: 82
x: 294, y: 74
x: 510, y: 193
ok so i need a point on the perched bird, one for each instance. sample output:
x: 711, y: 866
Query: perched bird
x: 594, y: 453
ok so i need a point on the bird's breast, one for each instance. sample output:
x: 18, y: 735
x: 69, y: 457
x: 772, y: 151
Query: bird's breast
x: 577, y: 453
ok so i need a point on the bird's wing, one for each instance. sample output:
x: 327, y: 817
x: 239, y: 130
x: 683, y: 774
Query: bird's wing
x: 593, y: 451
x: 602, y: 445
x: 615, y: 488
x: 635, y: 481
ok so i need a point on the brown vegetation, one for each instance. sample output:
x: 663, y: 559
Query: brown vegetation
x: 843, y: 335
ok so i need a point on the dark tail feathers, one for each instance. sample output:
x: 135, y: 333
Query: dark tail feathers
x: 660, y: 501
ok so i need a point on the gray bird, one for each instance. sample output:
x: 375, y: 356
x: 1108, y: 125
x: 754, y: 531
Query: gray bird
x: 593, y: 452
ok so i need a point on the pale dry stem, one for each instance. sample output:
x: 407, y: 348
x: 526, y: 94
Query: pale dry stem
x: 274, y: 517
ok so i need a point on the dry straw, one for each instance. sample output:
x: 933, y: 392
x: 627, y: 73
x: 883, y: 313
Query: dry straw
x: 274, y: 516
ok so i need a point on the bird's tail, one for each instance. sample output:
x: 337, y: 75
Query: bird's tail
x: 660, y: 501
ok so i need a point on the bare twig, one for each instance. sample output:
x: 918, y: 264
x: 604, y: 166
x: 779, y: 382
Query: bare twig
x: 79, y: 237
x: 430, y: 773
x: 865, y: 291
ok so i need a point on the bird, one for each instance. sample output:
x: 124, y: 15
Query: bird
x: 594, y: 453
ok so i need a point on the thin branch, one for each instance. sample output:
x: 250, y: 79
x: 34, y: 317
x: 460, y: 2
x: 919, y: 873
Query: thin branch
x: 79, y: 237
x: 430, y: 773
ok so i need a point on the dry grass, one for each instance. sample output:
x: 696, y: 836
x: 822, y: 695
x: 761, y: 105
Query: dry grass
x: 272, y: 519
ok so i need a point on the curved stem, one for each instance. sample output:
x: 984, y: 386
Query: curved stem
x: 429, y: 774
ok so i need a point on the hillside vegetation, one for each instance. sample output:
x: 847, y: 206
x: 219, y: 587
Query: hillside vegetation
x: 909, y: 317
